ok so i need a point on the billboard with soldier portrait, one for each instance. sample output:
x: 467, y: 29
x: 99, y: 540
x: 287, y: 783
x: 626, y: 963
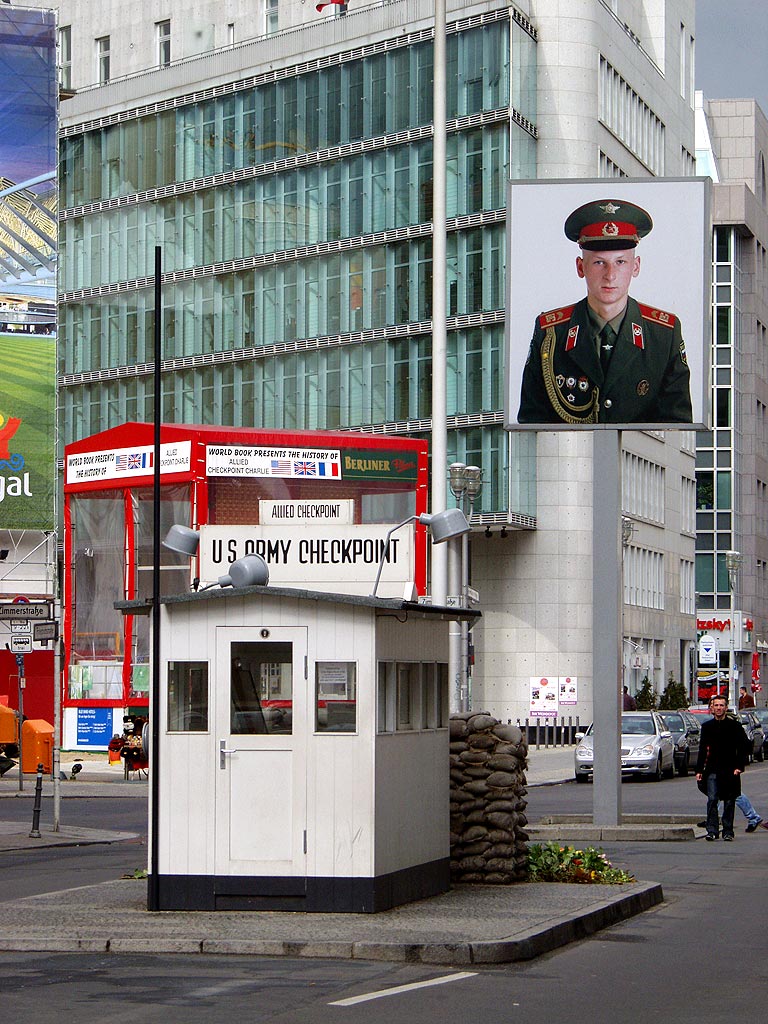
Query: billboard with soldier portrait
x: 607, y: 318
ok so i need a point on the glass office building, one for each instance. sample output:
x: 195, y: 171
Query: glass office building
x: 293, y: 211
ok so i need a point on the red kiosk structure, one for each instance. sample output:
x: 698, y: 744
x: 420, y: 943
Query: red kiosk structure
x: 316, y: 505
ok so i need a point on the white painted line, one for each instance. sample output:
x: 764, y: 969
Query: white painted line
x: 404, y: 988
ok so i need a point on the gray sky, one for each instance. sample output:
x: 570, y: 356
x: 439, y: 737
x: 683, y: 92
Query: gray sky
x: 731, y: 44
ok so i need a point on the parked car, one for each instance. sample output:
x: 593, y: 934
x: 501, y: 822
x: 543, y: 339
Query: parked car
x: 647, y: 748
x: 685, y: 731
x: 762, y: 714
x: 754, y: 730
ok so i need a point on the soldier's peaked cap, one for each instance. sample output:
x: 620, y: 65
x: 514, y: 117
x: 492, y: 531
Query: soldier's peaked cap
x: 608, y: 224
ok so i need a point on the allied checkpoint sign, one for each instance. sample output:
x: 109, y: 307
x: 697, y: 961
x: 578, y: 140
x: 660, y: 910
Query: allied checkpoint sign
x: 28, y: 241
x: 554, y: 378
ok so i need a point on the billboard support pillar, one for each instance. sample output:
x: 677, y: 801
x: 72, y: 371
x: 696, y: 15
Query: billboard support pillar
x: 607, y: 602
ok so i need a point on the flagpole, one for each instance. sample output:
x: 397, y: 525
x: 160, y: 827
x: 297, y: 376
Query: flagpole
x: 439, y: 570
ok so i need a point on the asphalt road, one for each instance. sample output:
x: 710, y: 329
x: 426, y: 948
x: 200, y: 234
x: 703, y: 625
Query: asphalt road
x: 640, y: 796
x: 700, y: 957
x: 51, y: 869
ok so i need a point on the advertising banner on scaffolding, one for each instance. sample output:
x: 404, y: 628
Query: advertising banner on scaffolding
x: 28, y: 251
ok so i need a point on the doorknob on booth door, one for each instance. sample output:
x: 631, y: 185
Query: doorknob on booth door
x: 223, y: 750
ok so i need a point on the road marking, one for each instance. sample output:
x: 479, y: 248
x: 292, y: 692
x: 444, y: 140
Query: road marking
x: 404, y: 988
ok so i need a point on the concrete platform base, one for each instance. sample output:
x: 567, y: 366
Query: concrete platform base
x: 650, y: 828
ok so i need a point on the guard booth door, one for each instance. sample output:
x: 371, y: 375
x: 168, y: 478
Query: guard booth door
x: 260, y: 714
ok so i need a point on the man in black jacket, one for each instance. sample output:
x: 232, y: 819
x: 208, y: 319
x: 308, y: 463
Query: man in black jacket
x: 723, y: 756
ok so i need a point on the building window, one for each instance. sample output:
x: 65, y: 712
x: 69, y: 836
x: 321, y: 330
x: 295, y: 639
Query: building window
x: 687, y: 587
x: 630, y: 119
x: 65, y: 57
x: 271, y: 17
x: 163, y: 34
x: 103, y: 60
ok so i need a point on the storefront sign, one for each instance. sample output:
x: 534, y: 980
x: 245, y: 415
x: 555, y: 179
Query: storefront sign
x: 291, y: 463
x: 375, y: 464
x: 320, y: 556
x: 304, y: 512
x: 125, y: 463
x: 719, y: 625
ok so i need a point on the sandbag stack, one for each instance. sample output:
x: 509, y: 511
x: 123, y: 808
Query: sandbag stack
x: 488, y: 837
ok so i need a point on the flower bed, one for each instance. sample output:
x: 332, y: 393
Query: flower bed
x: 550, y: 862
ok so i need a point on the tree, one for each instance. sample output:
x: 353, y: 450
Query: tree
x: 674, y: 696
x: 646, y: 696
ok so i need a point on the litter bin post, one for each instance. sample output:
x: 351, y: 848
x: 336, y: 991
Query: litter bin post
x: 38, y: 745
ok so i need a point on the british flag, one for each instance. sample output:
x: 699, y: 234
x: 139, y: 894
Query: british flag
x: 305, y: 468
x: 133, y: 461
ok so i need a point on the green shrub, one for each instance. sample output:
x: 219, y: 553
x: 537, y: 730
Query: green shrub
x: 646, y: 696
x: 674, y: 696
x: 550, y: 862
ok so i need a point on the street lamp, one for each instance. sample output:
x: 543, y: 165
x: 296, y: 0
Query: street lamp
x: 733, y: 563
x: 628, y: 527
x: 465, y: 483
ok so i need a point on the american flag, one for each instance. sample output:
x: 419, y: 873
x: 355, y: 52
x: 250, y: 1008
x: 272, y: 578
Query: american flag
x: 281, y: 467
x: 134, y: 460
x: 305, y: 468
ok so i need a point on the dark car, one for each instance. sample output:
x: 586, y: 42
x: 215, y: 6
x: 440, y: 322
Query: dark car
x: 685, y: 731
x: 754, y: 730
x: 762, y: 716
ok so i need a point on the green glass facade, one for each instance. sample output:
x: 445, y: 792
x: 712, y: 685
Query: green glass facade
x: 293, y: 212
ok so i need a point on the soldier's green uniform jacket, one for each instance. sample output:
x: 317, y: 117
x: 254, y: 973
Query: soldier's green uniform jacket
x: 647, y: 379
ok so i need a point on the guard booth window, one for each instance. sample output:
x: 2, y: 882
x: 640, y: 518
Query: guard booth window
x: 335, y: 696
x: 188, y: 696
x: 261, y: 688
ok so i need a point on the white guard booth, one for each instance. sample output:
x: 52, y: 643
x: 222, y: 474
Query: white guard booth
x: 303, y: 757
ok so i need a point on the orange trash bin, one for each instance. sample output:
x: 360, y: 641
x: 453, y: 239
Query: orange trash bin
x: 36, y: 745
x: 8, y: 725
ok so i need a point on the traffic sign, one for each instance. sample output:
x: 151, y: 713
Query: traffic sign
x: 45, y: 631
x: 21, y: 643
x: 29, y: 610
x: 708, y: 650
x: 20, y: 626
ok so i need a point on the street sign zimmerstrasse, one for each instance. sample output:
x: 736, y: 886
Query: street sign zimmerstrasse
x: 32, y: 610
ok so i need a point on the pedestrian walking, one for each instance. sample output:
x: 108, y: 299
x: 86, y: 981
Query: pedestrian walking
x: 723, y: 755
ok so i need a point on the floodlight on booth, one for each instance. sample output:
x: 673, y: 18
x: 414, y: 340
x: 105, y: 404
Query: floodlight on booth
x: 443, y: 526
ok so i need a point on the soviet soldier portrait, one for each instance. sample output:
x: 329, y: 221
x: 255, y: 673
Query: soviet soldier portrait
x: 607, y: 358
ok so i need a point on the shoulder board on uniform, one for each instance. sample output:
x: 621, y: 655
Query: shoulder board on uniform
x: 657, y: 315
x: 555, y: 316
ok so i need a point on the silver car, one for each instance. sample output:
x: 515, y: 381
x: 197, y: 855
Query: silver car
x: 647, y: 748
